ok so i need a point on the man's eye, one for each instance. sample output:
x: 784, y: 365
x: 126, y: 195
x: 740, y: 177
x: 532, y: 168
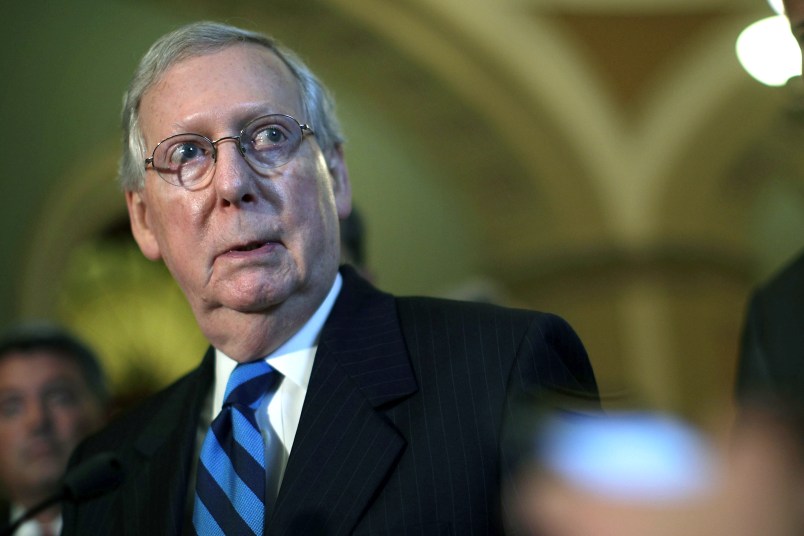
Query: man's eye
x: 61, y: 397
x: 10, y: 407
x: 185, y: 152
x: 269, y: 136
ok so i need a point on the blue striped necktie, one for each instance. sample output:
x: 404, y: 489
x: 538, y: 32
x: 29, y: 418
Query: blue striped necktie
x: 230, y: 488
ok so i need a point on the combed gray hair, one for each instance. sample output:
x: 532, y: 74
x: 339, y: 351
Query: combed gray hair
x: 198, y: 39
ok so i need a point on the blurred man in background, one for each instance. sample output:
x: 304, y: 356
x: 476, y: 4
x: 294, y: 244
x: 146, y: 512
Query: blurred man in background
x: 771, y: 365
x: 52, y: 395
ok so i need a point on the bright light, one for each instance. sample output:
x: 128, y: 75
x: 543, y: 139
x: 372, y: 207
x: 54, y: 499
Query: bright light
x: 769, y: 52
x: 777, y: 6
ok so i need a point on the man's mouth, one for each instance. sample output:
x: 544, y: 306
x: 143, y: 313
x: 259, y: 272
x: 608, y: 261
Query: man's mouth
x: 40, y: 449
x: 250, y: 247
x: 257, y: 246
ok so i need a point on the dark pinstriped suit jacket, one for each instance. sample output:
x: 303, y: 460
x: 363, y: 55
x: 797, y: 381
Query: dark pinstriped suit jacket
x: 399, y: 434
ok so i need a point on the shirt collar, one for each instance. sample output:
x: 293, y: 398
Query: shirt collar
x: 293, y: 359
x: 32, y: 526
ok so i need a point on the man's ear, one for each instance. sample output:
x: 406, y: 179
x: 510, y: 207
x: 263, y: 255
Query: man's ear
x: 141, y: 226
x: 341, y: 186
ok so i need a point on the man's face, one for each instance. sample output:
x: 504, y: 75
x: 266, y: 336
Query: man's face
x: 46, y: 409
x: 245, y: 242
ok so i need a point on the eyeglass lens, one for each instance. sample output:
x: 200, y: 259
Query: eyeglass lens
x: 266, y: 143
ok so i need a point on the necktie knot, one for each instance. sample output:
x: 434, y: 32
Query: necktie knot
x: 248, y: 383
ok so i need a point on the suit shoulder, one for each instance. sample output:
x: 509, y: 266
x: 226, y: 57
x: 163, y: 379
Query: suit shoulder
x: 485, y: 325
x: 779, y: 302
x: 422, y: 309
x: 788, y: 282
x: 529, y: 348
x: 450, y: 306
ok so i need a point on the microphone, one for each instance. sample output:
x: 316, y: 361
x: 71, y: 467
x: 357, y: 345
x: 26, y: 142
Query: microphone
x: 90, y: 478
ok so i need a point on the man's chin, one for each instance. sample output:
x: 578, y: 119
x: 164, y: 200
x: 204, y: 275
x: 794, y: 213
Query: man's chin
x: 259, y: 302
x: 45, y: 477
x: 254, y: 296
x: 44, y: 454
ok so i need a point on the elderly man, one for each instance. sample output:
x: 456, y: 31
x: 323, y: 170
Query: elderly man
x: 52, y: 395
x: 323, y: 405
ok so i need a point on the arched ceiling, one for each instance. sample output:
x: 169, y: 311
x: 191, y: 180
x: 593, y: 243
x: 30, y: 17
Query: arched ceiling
x: 488, y: 137
x: 565, y: 118
x: 604, y: 159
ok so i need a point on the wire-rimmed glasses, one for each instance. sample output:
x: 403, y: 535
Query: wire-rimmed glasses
x: 267, y: 142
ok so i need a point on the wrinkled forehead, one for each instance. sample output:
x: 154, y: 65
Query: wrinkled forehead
x: 37, y: 365
x: 201, y: 66
x: 236, y: 76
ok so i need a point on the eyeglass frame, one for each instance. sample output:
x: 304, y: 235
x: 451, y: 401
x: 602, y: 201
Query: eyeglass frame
x: 305, y: 129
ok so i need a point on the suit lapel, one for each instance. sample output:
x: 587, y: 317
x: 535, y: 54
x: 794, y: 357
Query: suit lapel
x: 166, y: 449
x: 345, y: 448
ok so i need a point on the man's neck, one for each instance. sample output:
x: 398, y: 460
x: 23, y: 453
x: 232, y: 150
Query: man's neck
x: 248, y: 336
x: 49, y: 515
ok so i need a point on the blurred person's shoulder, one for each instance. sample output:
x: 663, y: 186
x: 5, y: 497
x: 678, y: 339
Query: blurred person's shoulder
x: 786, y: 284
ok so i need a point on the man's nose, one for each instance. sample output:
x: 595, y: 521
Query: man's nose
x: 38, y: 416
x: 233, y: 178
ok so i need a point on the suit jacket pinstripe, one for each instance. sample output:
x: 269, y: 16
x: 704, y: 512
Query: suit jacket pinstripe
x: 399, y: 433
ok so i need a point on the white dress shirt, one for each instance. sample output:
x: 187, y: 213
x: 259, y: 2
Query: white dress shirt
x: 279, y: 414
